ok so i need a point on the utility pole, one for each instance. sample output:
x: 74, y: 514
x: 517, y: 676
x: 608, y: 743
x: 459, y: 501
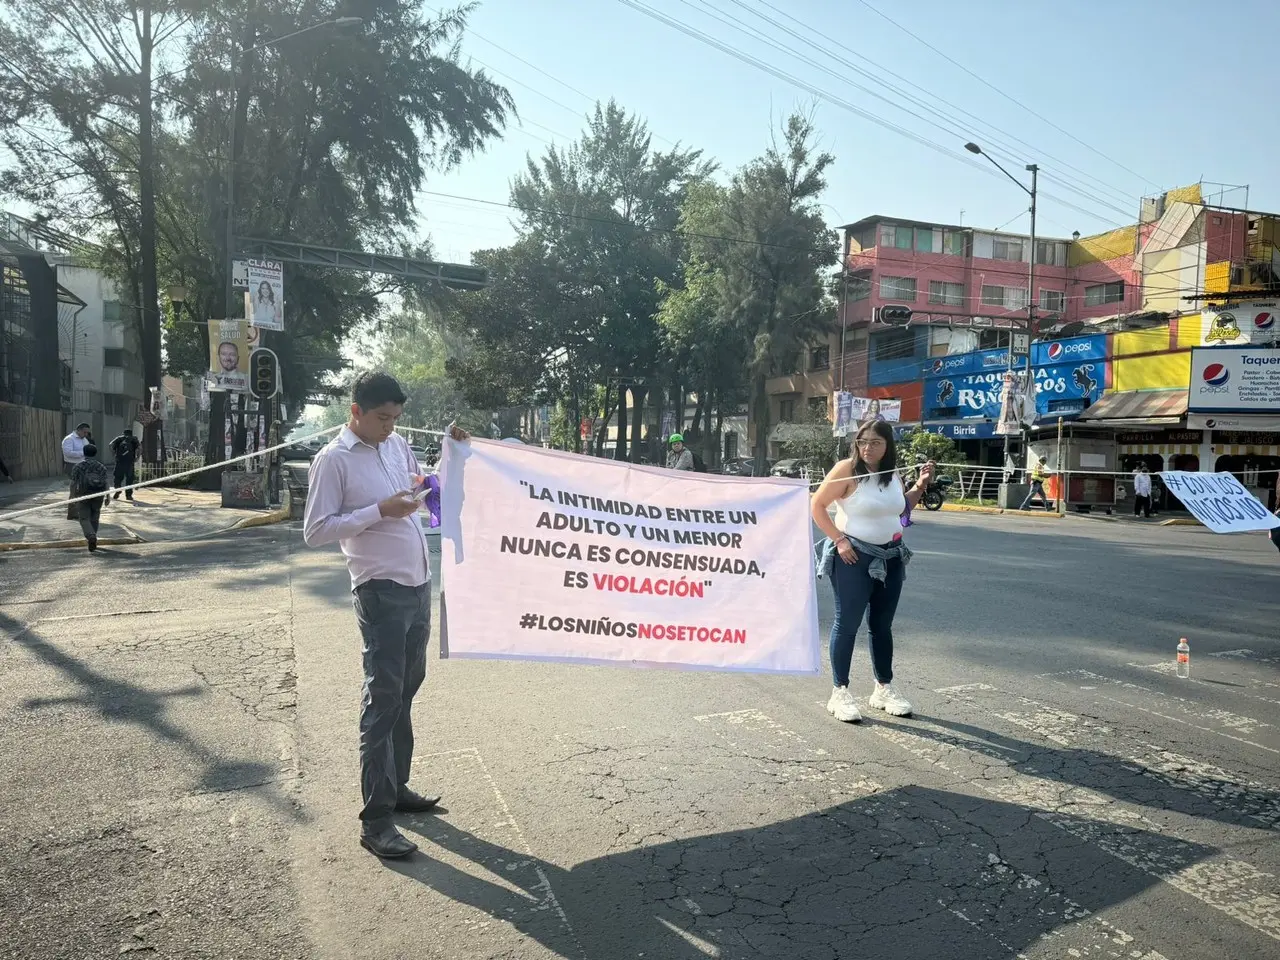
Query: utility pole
x: 1031, y: 275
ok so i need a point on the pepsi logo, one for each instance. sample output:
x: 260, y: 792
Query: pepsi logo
x: 1216, y: 375
x: 937, y: 366
x: 1264, y: 321
x: 1055, y: 351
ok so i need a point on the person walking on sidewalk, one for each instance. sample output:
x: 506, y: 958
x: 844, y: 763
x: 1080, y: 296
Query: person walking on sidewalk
x: 1142, y: 491
x: 124, y: 449
x: 88, y: 476
x: 1038, y: 477
x: 359, y: 497
x: 866, y: 559
x: 73, y: 446
x: 4, y: 472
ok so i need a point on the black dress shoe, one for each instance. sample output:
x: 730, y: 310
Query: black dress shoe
x: 387, y: 843
x: 410, y: 802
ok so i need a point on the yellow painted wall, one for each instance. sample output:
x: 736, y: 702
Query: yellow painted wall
x: 1167, y: 276
x: 1140, y: 341
x: 1217, y: 278
x: 1189, y: 330
x: 1191, y: 194
x: 1103, y: 246
x: 1165, y: 371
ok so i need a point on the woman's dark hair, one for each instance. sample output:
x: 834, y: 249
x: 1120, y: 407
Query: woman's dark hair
x: 90, y: 450
x: 888, y: 462
x: 375, y: 388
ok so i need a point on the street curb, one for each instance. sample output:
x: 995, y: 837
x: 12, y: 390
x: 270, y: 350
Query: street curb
x: 1180, y: 522
x: 69, y: 544
x: 997, y: 511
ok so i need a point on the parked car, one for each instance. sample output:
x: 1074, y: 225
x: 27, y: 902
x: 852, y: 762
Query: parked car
x: 796, y: 468
x: 299, y: 451
x: 743, y: 467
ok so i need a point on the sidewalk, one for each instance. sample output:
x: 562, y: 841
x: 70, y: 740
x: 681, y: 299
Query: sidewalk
x: 156, y: 515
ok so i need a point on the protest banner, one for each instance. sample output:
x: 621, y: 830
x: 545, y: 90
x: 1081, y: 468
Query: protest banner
x: 229, y: 355
x: 1219, y: 501
x: 852, y: 412
x: 552, y: 556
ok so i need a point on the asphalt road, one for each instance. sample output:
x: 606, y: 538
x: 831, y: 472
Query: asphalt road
x: 177, y: 761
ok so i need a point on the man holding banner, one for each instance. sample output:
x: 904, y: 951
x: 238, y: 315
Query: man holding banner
x: 360, y: 497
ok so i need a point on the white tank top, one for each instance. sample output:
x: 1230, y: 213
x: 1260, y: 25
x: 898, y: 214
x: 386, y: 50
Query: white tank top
x: 871, y: 513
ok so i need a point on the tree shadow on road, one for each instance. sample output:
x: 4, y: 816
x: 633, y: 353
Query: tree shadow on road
x: 909, y: 872
x: 116, y: 701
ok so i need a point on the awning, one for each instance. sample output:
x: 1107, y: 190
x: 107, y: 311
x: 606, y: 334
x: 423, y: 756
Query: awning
x: 1138, y: 408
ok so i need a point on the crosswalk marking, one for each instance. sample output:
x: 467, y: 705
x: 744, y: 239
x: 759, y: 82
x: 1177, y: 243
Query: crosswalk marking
x: 1168, y: 667
x: 1247, y: 799
x: 1229, y: 885
x: 1222, y: 723
x: 999, y: 902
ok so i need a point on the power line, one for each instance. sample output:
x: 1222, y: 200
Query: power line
x: 1007, y: 96
x: 944, y: 123
x: 821, y: 94
x: 877, y: 78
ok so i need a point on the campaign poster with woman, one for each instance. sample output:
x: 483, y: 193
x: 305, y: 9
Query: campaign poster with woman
x: 264, y: 306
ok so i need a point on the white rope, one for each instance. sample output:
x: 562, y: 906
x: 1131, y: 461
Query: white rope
x: 59, y: 504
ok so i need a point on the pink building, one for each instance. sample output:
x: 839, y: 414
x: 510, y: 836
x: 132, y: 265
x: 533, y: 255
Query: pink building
x: 962, y: 278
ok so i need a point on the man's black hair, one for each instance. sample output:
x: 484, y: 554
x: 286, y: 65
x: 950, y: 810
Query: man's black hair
x: 83, y: 426
x: 128, y: 431
x: 375, y: 388
x: 90, y: 450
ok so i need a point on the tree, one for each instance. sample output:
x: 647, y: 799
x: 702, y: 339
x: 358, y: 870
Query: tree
x: 705, y: 348
x: 416, y: 354
x: 605, y: 212
x: 333, y: 141
x: 920, y: 445
x: 769, y: 248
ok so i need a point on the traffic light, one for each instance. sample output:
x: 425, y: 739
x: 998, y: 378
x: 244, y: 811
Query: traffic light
x: 264, y: 373
x: 894, y: 314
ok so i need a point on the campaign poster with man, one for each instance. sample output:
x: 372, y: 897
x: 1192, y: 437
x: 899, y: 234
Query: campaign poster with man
x: 229, y: 355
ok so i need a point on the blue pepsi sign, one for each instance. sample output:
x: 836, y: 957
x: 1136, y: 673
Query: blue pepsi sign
x: 959, y: 364
x: 1071, y: 350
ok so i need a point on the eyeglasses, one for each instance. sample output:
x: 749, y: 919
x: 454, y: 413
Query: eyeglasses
x: 870, y: 443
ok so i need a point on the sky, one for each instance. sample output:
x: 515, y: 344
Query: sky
x: 1113, y: 101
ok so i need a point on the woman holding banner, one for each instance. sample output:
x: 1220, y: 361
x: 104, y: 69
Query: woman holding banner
x: 866, y: 558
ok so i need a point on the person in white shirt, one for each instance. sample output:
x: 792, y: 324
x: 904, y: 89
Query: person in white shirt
x: 359, y: 496
x: 73, y: 446
x: 1142, y: 491
x: 869, y: 561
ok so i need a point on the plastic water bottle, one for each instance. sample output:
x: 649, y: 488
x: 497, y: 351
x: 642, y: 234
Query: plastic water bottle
x: 1184, y: 659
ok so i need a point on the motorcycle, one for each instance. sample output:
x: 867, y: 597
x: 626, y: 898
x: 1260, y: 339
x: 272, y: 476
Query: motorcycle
x: 935, y: 493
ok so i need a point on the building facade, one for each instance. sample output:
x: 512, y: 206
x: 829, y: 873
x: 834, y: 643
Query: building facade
x: 1127, y: 323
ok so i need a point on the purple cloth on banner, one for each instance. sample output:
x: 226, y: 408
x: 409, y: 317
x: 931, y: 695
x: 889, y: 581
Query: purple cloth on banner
x: 432, y: 501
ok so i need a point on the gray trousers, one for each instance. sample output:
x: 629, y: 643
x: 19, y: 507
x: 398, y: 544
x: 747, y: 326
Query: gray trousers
x: 88, y: 513
x: 395, y: 623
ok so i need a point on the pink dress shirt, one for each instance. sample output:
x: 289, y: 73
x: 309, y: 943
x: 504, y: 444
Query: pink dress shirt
x: 348, y: 478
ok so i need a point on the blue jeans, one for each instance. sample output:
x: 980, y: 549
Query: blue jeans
x: 395, y: 622
x: 1037, y: 490
x: 857, y: 595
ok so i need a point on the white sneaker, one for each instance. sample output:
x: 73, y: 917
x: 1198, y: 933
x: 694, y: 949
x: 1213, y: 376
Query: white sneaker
x: 842, y: 706
x: 885, y: 698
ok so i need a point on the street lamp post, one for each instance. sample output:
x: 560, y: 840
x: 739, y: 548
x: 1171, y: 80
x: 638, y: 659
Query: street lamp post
x: 1034, y: 170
